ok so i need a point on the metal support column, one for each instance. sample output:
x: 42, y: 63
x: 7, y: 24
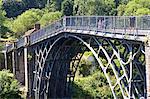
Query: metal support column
x: 26, y: 63
x: 64, y: 22
x: 26, y: 68
x: 14, y: 59
x: 5, y: 58
x: 147, y: 58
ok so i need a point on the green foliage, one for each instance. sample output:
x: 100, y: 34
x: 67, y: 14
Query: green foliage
x: 26, y: 20
x: 6, y: 32
x: 80, y: 93
x: 1, y: 55
x: 57, y: 4
x: 94, y: 7
x: 86, y: 66
x: 2, y: 14
x: 50, y: 8
x: 93, y: 86
x: 121, y: 9
x: 142, y: 11
x: 50, y: 17
x: 67, y: 7
x: 135, y: 7
x: 87, y: 54
x: 9, y: 86
x: 2, y: 17
x: 16, y: 7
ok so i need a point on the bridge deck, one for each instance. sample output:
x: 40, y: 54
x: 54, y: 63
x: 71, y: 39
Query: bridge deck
x: 117, y: 33
x: 131, y: 28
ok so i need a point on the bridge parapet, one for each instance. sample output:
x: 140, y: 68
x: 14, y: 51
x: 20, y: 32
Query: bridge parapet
x: 21, y: 42
x: 112, y: 24
x: 46, y: 32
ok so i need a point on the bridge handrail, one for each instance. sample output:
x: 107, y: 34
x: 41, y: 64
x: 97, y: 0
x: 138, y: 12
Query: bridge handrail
x: 20, y: 42
x: 9, y: 47
x: 46, y: 31
x: 94, y: 23
x: 117, y: 22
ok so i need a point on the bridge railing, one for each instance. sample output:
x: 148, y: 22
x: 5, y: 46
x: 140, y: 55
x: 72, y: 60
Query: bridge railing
x: 9, y: 47
x: 46, y: 32
x: 143, y: 23
x: 20, y: 42
x: 109, y: 23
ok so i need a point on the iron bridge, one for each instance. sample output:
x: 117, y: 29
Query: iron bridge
x: 46, y: 61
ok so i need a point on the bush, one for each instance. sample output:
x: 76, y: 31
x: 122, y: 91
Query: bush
x: 9, y: 86
x: 67, y: 7
x: 26, y: 21
x: 93, y: 86
x: 50, y: 17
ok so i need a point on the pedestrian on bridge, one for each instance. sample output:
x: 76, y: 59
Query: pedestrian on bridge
x: 132, y: 22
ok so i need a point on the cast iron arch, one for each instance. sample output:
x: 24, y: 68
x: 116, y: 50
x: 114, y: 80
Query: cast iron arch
x: 123, y: 90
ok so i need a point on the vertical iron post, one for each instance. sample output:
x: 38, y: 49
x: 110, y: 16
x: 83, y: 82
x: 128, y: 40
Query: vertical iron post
x: 147, y: 58
x: 14, y: 58
x: 64, y: 22
x: 26, y: 61
x: 5, y: 57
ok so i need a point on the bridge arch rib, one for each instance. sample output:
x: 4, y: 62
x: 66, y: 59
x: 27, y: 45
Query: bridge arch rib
x: 121, y: 56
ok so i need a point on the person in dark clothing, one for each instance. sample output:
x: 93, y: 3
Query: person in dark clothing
x: 132, y: 22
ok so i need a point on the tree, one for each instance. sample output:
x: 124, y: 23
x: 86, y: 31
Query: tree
x: 142, y: 11
x: 2, y: 13
x: 67, y: 7
x: 50, y: 7
x: 92, y: 86
x: 121, y: 9
x: 122, y: 3
x: 9, y: 86
x: 14, y: 7
x: 56, y: 4
x: 50, y: 17
x: 2, y: 17
x: 135, y: 7
x: 26, y: 21
x: 94, y: 7
x: 35, y: 3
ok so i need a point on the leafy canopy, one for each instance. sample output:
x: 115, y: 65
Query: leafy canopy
x: 9, y: 86
x: 67, y: 7
x: 26, y: 20
x: 50, y: 17
x: 94, y: 7
x: 135, y: 7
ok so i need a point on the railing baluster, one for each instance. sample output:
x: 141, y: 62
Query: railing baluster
x: 136, y: 27
x: 124, y: 25
x: 114, y: 23
x: 104, y: 24
x: 96, y: 24
x: 89, y: 23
